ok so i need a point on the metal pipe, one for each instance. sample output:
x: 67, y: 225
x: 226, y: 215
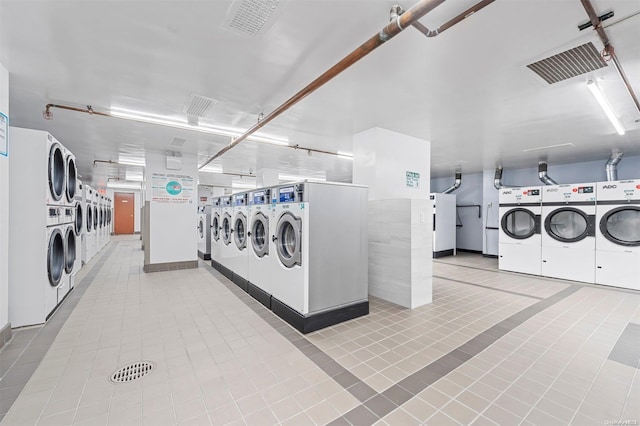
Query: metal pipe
x: 497, y: 179
x: 608, y: 48
x: 612, y: 166
x: 456, y: 184
x: 542, y: 174
x: 104, y: 161
x: 392, y: 29
x: 450, y: 23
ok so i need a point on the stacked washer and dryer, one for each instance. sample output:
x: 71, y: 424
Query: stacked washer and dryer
x: 88, y: 243
x: 215, y: 232
x: 42, y: 235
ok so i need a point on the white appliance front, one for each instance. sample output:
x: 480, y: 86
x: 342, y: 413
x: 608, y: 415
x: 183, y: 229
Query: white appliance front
x: 618, y: 234
x: 568, y: 240
x: 238, y: 260
x: 519, y: 238
x: 227, y: 250
x: 215, y: 231
x: 261, y: 258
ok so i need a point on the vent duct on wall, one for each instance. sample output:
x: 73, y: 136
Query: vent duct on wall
x: 612, y: 166
x: 455, y: 185
x: 542, y: 174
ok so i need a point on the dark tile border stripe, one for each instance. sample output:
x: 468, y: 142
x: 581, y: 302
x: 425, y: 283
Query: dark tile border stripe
x: 29, y: 358
x: 488, y: 288
x: 627, y: 349
x: 377, y: 405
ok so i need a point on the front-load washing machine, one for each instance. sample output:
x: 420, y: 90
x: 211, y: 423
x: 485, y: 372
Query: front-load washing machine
x: 226, y: 249
x: 618, y: 234
x: 36, y: 235
x: 204, y: 232
x: 319, y: 237
x: 261, y: 260
x: 568, y: 239
x: 96, y: 218
x: 239, y: 261
x: 79, y: 221
x: 71, y: 178
x: 519, y: 238
x: 215, y: 232
x: 89, y: 234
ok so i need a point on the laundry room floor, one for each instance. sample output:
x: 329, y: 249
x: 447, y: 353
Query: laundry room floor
x: 492, y: 348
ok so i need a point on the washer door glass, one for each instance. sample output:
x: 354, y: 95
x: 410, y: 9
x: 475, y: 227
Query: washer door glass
x: 240, y: 231
x: 55, y: 257
x: 95, y: 217
x: 288, y: 244
x: 89, y: 218
x: 567, y: 225
x: 226, y: 229
x: 56, y: 172
x: 201, y: 228
x: 519, y: 223
x: 215, y: 227
x: 260, y: 235
x: 622, y: 226
x: 70, y: 250
x: 71, y: 178
x: 78, y: 224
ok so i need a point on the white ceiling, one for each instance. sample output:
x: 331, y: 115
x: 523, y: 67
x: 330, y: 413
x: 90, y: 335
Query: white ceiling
x: 468, y: 90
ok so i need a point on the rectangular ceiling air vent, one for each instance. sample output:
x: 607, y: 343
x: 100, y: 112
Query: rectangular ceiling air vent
x: 251, y: 17
x: 570, y: 63
x: 198, y: 106
x: 177, y: 142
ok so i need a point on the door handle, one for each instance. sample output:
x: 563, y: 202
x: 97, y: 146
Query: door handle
x: 274, y: 238
x: 249, y: 234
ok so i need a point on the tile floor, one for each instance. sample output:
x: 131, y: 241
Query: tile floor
x: 493, y: 348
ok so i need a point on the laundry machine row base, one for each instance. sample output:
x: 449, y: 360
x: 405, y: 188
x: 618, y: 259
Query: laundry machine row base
x: 442, y: 253
x: 307, y: 324
x: 216, y: 265
x: 204, y: 256
x: 260, y: 295
x: 240, y: 282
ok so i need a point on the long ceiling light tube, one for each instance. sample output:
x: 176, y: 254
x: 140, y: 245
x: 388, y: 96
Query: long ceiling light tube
x: 417, y: 11
x: 597, y: 93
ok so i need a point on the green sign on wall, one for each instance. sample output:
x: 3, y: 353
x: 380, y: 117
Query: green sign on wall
x: 413, y: 179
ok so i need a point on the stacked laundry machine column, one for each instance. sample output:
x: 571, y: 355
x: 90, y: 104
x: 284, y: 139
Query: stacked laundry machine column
x: 239, y: 261
x: 42, y: 255
x: 261, y: 259
x: 80, y: 220
x: 618, y: 234
x: 95, y: 248
x: 89, y: 234
x: 215, y: 232
x: 226, y: 249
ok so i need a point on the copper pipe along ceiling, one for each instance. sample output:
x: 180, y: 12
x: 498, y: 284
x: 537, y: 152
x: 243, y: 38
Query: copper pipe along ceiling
x: 388, y: 32
x: 608, y: 48
x: 450, y: 23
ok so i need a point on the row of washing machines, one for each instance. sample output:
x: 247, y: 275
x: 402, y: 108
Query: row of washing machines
x: 586, y: 232
x: 96, y: 231
x: 300, y: 249
x: 46, y: 216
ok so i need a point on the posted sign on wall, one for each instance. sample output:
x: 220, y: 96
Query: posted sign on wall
x: 172, y: 188
x: 4, y: 134
x: 413, y: 180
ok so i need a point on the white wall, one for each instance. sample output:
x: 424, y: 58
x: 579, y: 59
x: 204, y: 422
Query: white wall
x: 136, y: 204
x: 479, y: 189
x: 4, y: 208
x: 172, y: 235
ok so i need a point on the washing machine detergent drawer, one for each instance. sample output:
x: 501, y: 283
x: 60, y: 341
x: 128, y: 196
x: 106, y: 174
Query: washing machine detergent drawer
x: 569, y: 263
x: 519, y: 258
x: 618, y: 268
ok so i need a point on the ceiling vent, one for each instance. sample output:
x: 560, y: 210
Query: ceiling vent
x: 570, y: 63
x: 177, y: 142
x: 198, y: 106
x: 252, y: 17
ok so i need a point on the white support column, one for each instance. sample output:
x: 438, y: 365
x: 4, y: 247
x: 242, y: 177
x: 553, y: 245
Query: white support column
x: 396, y: 168
x: 5, y: 327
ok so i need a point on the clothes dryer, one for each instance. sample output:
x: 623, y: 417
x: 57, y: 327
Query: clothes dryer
x: 215, y: 232
x: 88, y: 244
x: 204, y: 232
x: 71, y: 178
x: 226, y: 237
x: 519, y: 238
x: 568, y: 240
x: 238, y: 260
x: 261, y: 259
x: 618, y: 234
x: 96, y: 217
x: 79, y: 222
x: 320, y: 241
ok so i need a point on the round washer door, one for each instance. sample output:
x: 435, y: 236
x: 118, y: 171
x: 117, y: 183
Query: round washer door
x: 69, y: 250
x: 520, y: 223
x: 288, y: 240
x: 79, y: 219
x: 622, y: 226
x: 568, y: 225
x: 201, y: 227
x: 89, y: 218
x: 240, y: 231
x: 260, y: 234
x: 72, y: 173
x: 55, y: 257
x: 56, y: 172
x: 95, y: 217
x: 226, y: 229
x: 215, y: 227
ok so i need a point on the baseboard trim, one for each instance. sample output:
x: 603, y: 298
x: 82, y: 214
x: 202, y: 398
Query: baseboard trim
x: 240, y: 282
x: 442, y: 253
x: 470, y: 251
x: 260, y: 295
x: 204, y: 256
x: 5, y: 334
x: 170, y: 266
x: 307, y: 324
x: 492, y: 256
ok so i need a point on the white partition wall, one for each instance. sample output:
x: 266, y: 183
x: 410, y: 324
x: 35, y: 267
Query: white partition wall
x: 396, y: 168
x: 5, y: 327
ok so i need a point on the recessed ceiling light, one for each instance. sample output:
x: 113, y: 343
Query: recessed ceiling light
x: 540, y: 148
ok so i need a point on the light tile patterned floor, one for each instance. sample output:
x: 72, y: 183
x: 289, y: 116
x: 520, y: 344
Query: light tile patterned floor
x: 493, y: 348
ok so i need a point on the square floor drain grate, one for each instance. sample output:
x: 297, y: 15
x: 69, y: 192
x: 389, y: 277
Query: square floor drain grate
x: 132, y: 371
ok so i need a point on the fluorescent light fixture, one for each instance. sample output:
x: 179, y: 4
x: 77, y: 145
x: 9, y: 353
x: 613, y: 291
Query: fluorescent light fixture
x: 597, y: 93
x: 133, y: 175
x: 123, y: 185
x: 181, y: 123
x: 242, y: 185
x: 541, y: 148
x: 345, y: 155
x: 212, y: 168
x: 131, y: 160
x: 292, y: 178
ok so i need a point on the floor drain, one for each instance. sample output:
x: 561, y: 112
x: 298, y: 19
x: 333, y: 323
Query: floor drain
x: 132, y: 372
